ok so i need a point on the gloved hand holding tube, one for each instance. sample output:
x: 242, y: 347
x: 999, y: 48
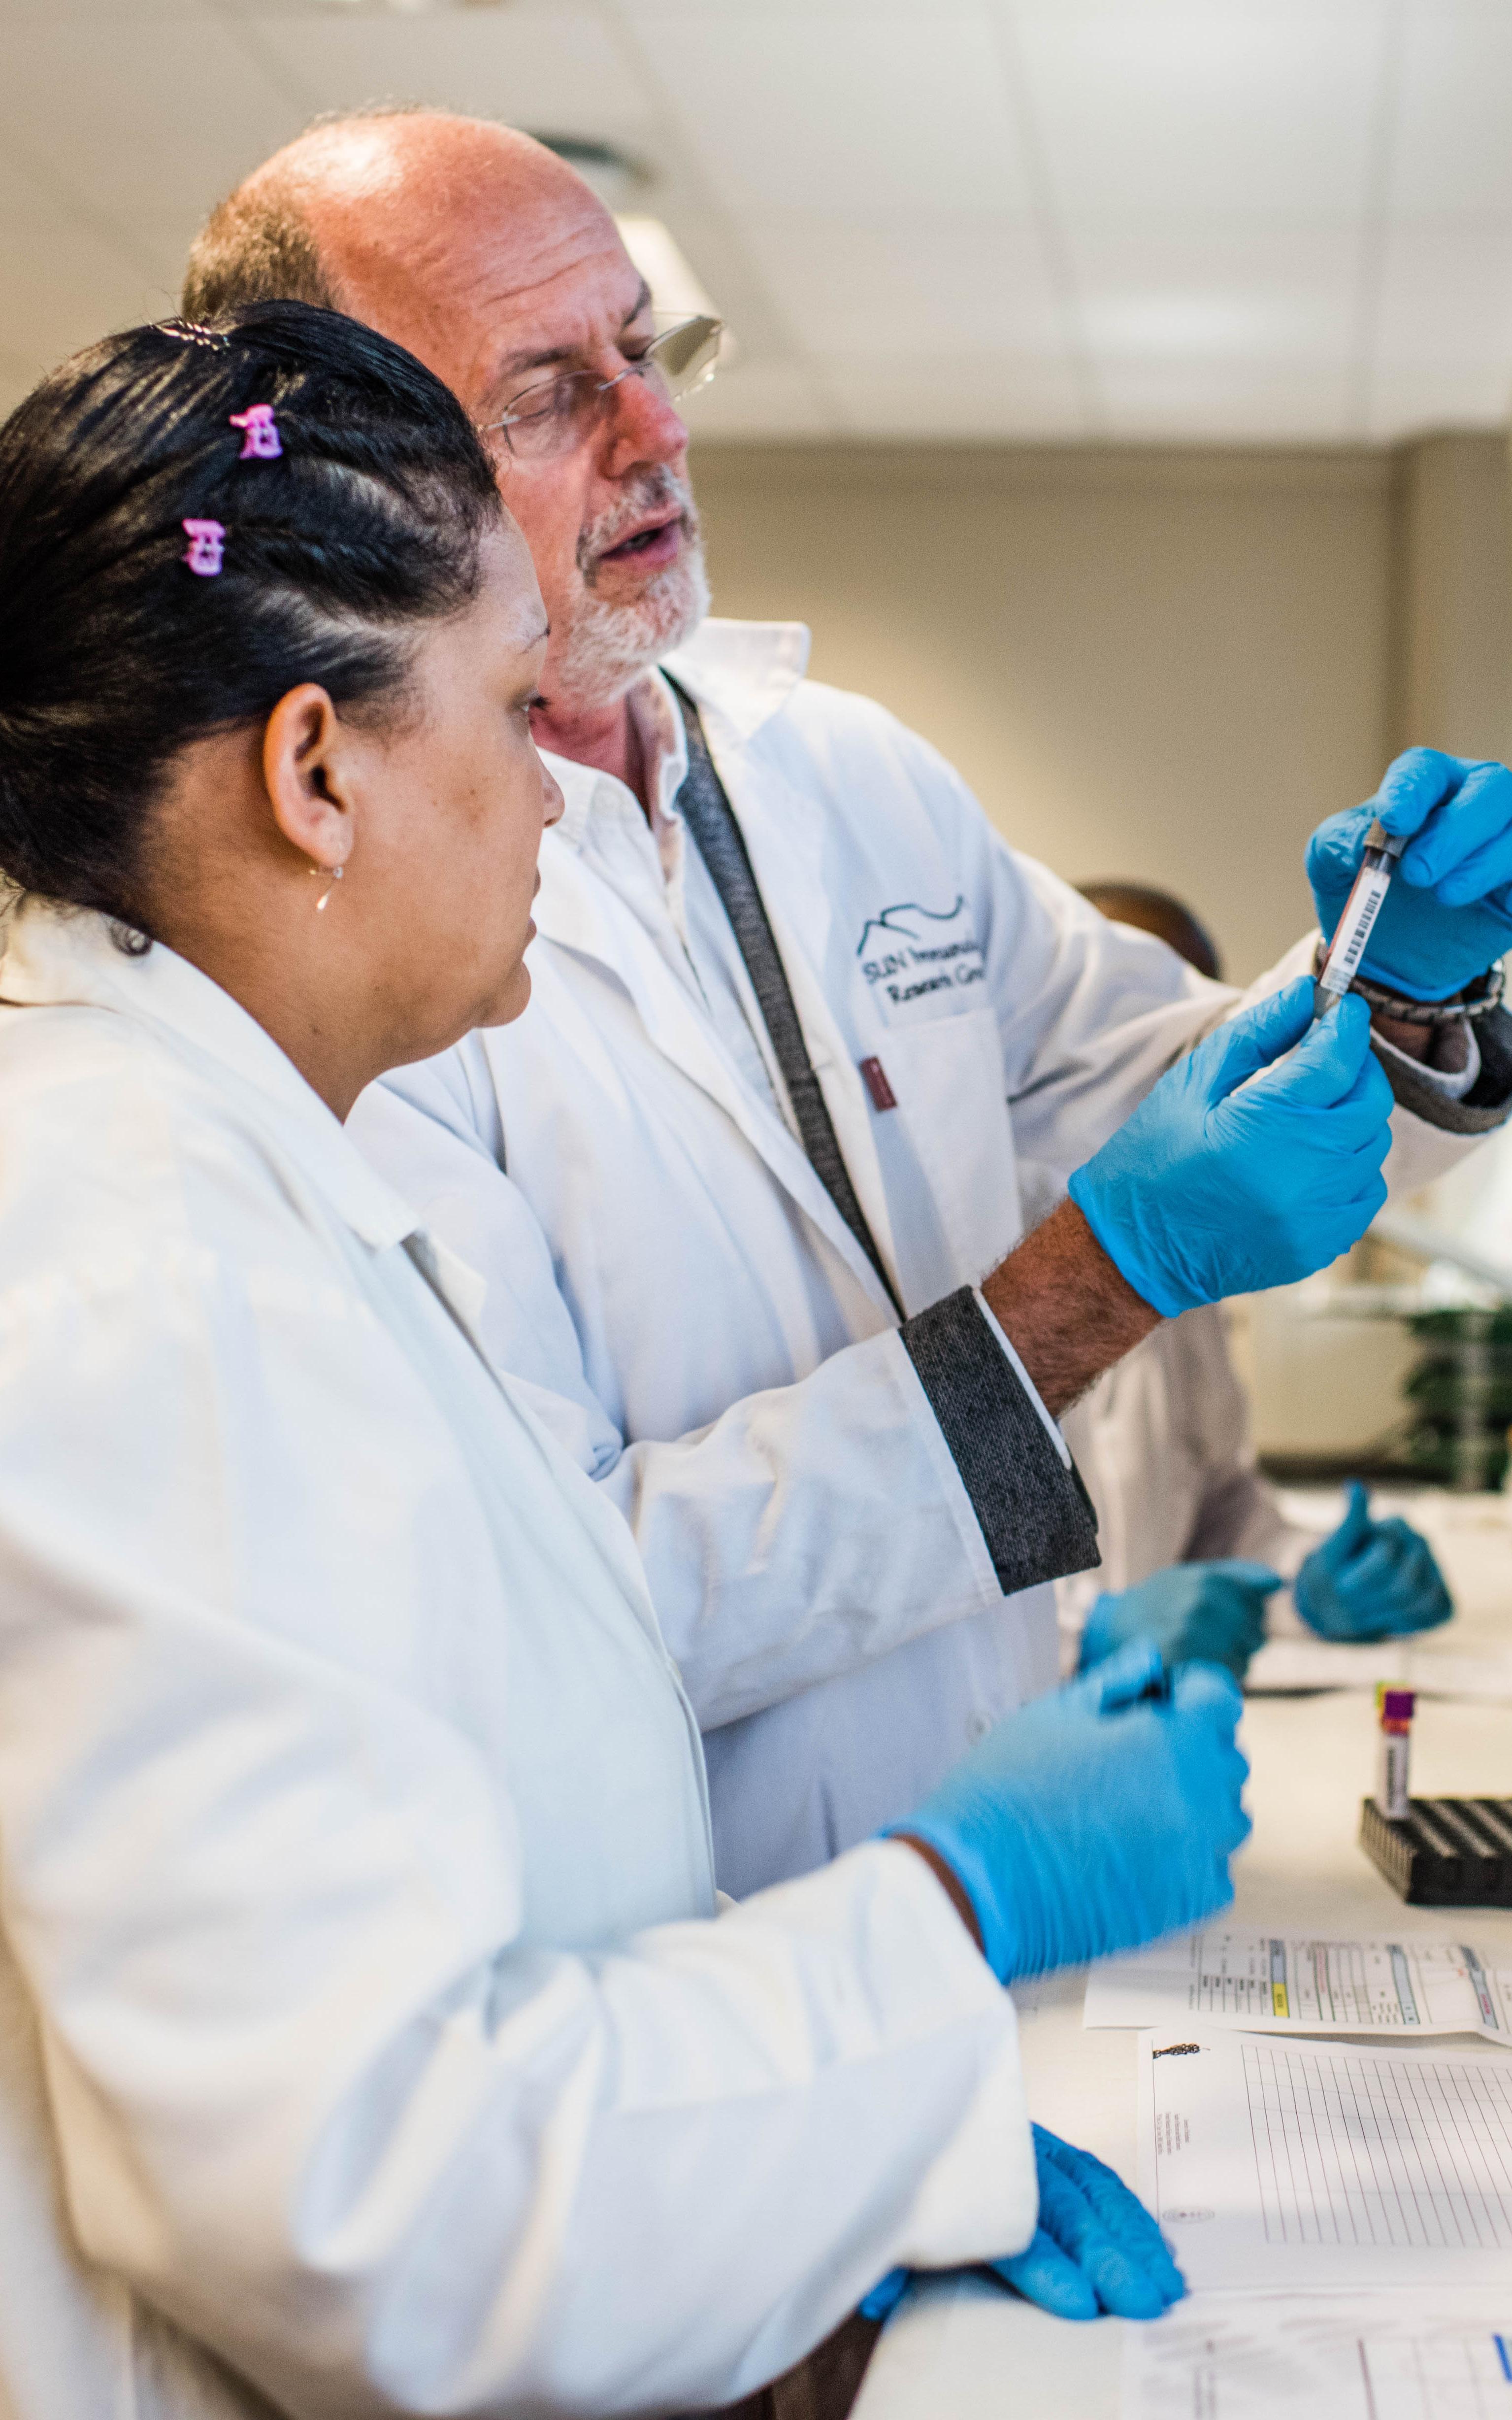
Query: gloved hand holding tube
x: 1096, y: 1818
x: 1253, y: 1161
x: 1448, y: 914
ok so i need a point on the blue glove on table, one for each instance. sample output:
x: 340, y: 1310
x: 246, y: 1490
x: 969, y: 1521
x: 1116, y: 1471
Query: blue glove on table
x: 1095, y: 1818
x: 1448, y: 913
x: 1371, y: 1579
x: 1096, y: 2248
x: 1245, y: 1168
x: 1195, y: 1613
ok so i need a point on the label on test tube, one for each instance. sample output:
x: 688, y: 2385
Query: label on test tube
x: 1395, y: 1707
x: 1367, y: 896
x: 1364, y: 905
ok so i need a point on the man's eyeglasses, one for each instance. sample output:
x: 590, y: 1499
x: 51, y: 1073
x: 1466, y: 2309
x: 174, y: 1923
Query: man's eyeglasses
x: 556, y: 416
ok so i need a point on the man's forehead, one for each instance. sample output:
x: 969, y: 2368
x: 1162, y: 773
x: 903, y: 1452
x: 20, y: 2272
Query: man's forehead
x: 577, y: 306
x: 488, y: 270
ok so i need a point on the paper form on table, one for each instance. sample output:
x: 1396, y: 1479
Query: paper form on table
x: 1285, y: 1665
x: 1288, y: 1983
x: 1278, y: 2165
x: 1323, y: 2357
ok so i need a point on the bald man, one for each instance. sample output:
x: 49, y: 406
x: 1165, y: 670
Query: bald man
x: 804, y: 1035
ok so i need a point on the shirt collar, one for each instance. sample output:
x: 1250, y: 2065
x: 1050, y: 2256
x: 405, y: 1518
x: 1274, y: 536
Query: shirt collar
x: 745, y: 671
x: 66, y: 957
x: 587, y: 790
x: 742, y: 673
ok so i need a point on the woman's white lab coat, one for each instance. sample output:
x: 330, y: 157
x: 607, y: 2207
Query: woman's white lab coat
x: 367, y: 2034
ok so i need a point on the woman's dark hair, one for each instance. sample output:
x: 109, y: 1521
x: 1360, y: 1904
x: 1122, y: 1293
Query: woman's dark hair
x: 113, y: 654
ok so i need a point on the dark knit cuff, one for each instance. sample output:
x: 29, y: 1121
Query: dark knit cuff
x: 1035, y: 1512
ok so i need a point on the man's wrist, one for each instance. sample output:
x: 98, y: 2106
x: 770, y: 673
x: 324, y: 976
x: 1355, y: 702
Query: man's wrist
x: 1412, y: 1026
x: 1413, y: 1041
x: 1067, y: 1306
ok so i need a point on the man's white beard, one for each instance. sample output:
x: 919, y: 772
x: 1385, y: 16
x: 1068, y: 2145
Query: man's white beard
x: 605, y: 648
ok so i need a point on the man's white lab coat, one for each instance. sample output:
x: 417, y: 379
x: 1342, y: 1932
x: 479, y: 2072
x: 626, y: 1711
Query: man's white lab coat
x: 1164, y: 1446
x: 367, y: 2034
x: 711, y: 1340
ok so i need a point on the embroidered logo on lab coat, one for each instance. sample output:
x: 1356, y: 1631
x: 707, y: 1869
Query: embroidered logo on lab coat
x: 918, y: 961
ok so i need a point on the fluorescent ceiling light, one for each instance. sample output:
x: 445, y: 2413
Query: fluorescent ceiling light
x: 676, y: 287
x: 1191, y: 326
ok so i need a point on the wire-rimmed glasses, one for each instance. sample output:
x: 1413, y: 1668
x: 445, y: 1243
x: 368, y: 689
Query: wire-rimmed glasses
x: 557, y: 414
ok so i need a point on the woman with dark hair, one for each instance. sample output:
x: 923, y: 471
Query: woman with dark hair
x: 369, y: 2038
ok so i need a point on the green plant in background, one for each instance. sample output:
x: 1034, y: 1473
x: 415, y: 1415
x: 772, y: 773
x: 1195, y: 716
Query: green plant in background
x: 1460, y: 1395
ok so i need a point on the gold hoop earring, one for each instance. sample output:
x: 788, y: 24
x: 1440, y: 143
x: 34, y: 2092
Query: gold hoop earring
x: 335, y: 873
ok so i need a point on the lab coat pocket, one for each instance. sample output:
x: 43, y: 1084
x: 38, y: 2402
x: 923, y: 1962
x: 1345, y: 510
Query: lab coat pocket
x: 921, y: 963
x: 948, y: 1077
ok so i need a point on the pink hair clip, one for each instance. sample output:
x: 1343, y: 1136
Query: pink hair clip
x: 261, y: 441
x: 206, y: 551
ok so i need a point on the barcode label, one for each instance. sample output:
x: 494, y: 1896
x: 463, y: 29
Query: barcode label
x: 1360, y: 909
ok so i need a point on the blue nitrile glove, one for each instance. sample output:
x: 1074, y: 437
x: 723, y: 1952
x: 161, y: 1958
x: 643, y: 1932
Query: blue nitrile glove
x: 1222, y: 1185
x: 1371, y: 1579
x: 1096, y: 2248
x: 1448, y: 913
x: 1195, y: 1613
x: 1095, y: 1818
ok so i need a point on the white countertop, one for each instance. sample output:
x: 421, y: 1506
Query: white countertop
x: 964, y: 2348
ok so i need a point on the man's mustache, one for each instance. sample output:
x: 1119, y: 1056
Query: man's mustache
x: 650, y: 491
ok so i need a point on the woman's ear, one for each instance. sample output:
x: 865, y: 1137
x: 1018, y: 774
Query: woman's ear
x: 307, y: 767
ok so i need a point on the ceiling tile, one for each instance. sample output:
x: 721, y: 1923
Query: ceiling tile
x: 1446, y: 293
x: 95, y: 12
x: 1197, y: 109
x: 804, y: 114
x: 1423, y: 396
x: 849, y: 179
x: 151, y: 125
x: 780, y: 14
x: 1221, y: 286
x: 557, y: 71
x: 858, y: 288
x: 1206, y: 403
x: 1453, y: 150
x: 760, y: 399
x: 1027, y: 399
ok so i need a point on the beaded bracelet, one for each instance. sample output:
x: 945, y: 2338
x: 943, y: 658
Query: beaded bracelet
x: 1477, y: 999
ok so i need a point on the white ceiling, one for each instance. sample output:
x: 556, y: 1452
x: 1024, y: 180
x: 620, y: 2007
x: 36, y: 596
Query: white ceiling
x: 1233, y: 219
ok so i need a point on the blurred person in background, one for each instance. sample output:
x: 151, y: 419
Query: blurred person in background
x: 1197, y: 1551
x: 805, y: 1034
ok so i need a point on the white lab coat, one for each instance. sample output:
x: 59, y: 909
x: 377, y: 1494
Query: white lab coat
x: 367, y: 2036
x: 1164, y: 1443
x: 663, y: 1262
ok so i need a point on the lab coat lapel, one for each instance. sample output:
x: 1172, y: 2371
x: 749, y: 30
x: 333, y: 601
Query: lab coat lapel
x: 579, y: 911
x: 786, y: 854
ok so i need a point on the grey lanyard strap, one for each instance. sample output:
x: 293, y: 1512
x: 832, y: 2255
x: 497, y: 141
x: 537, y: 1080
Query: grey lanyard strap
x: 706, y: 811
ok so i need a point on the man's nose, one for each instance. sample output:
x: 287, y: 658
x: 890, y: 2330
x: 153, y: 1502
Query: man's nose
x: 640, y: 426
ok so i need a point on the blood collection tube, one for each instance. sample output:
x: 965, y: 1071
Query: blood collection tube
x: 1367, y: 896
x: 1395, y: 1709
